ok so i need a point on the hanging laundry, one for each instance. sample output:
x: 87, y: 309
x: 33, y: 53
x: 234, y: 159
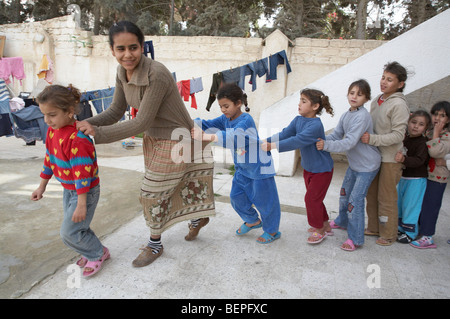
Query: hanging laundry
x: 148, y: 48
x: 46, y: 69
x: 232, y: 75
x: 248, y: 69
x: 275, y: 60
x: 216, y: 83
x: 101, y: 99
x: 4, y: 97
x: 12, y: 68
x: 262, y: 68
x: 30, y: 124
x: 184, y: 87
x: 196, y: 85
x: 84, y: 110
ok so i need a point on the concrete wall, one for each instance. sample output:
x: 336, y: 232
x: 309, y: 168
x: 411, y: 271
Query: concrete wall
x: 86, y: 61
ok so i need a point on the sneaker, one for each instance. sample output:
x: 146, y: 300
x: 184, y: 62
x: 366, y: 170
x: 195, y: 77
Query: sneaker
x: 146, y: 257
x: 193, y: 231
x: 404, y: 239
x: 423, y: 243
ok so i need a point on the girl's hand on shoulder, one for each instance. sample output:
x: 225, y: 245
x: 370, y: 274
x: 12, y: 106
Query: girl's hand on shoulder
x: 365, y: 138
x: 86, y: 128
x: 320, y: 144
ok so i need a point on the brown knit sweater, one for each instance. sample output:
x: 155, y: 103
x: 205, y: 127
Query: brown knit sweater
x: 154, y: 93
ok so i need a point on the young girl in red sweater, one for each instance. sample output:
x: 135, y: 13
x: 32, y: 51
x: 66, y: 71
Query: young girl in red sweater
x: 72, y: 159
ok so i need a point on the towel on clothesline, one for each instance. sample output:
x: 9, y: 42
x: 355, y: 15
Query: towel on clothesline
x: 46, y: 69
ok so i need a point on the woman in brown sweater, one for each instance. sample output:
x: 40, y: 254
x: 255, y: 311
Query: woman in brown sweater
x: 175, y: 187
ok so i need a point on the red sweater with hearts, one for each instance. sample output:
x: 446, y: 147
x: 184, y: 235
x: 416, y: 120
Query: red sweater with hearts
x: 71, y: 157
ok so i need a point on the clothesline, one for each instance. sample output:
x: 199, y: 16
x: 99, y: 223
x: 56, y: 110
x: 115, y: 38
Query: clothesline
x: 265, y: 66
x: 283, y: 52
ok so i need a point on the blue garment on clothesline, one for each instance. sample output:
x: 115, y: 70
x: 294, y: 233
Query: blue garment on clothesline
x: 275, y: 60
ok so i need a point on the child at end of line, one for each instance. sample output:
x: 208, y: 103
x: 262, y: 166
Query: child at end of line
x: 253, y: 180
x: 412, y: 184
x: 71, y: 158
x: 363, y: 159
x: 302, y: 133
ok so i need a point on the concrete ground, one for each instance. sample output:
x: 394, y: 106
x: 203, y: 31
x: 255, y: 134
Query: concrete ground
x: 35, y: 264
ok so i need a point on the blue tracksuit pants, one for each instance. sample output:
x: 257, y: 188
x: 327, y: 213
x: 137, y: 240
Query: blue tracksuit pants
x: 410, y: 196
x: 263, y: 194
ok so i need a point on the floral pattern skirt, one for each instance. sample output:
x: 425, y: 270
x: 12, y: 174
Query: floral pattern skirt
x: 174, y: 190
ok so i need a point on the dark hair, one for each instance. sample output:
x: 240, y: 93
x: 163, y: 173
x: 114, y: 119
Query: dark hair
x: 400, y: 71
x: 423, y: 113
x: 234, y: 93
x: 363, y: 87
x: 125, y: 26
x: 316, y: 96
x: 64, y: 98
x: 442, y: 105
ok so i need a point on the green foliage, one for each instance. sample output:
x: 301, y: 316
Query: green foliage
x: 241, y: 18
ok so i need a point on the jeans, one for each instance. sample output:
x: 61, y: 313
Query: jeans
x: 260, y: 192
x: 351, y: 203
x: 79, y: 236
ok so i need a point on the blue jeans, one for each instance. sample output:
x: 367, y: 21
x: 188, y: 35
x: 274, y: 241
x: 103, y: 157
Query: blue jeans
x: 352, y: 203
x: 260, y: 192
x: 79, y: 236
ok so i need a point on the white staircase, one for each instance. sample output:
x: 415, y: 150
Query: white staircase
x: 424, y: 51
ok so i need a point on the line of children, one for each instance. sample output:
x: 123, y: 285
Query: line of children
x: 71, y: 157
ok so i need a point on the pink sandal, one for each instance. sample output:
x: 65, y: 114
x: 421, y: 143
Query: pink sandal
x: 333, y: 225
x: 313, y: 229
x: 316, y: 238
x: 349, y: 242
x: 81, y: 262
x: 95, y: 266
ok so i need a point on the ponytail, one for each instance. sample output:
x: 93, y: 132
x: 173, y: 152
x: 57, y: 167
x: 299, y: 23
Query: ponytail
x: 317, y: 97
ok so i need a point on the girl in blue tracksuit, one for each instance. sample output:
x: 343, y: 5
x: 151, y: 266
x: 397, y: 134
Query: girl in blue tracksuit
x: 253, y: 181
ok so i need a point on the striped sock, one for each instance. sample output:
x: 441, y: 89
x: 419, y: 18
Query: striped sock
x: 195, y: 222
x: 155, y: 245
